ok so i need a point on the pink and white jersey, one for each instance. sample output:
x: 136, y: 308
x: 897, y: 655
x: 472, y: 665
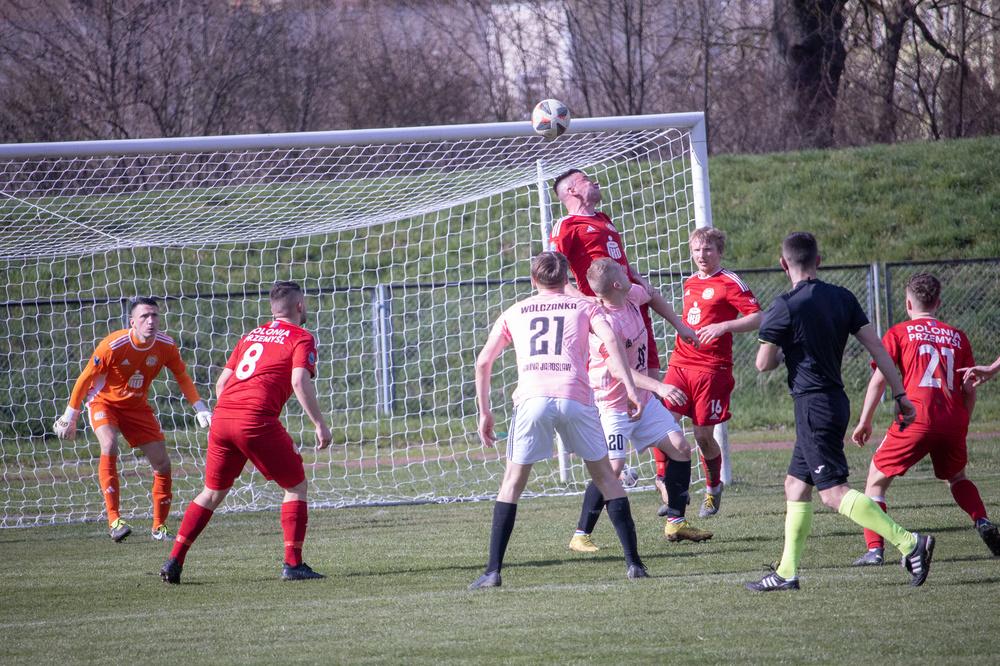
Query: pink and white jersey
x: 550, y: 332
x: 627, y: 322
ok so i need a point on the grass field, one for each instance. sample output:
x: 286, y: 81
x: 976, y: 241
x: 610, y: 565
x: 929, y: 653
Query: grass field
x: 397, y: 577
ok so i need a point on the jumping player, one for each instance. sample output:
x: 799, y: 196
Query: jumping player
x: 714, y: 299
x: 115, y: 384
x: 927, y: 351
x: 586, y: 234
x: 267, y: 365
x: 657, y: 427
x: 549, y: 332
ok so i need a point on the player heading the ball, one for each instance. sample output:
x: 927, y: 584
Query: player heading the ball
x: 268, y: 364
x: 549, y: 332
x: 115, y: 384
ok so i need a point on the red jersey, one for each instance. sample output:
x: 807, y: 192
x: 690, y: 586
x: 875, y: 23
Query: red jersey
x: 262, y: 364
x: 583, y: 238
x: 720, y: 297
x: 927, y: 352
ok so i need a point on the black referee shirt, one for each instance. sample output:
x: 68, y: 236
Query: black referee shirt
x: 811, y: 324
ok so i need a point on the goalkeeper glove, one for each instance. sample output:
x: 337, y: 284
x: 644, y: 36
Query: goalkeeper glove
x: 202, y: 414
x: 65, y: 425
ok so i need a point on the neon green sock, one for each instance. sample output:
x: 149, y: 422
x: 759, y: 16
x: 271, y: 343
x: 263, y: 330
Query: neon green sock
x: 868, y: 514
x: 798, y: 524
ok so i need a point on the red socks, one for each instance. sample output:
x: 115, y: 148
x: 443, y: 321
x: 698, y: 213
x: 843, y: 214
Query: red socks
x: 713, y: 470
x: 294, y: 516
x: 873, y: 539
x: 661, y: 462
x: 967, y: 496
x: 195, y: 519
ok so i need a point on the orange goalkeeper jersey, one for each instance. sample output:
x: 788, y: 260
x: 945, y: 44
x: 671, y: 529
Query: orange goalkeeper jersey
x: 120, y: 371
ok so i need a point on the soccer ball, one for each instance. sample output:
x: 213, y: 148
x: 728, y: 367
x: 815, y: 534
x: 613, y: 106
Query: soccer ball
x: 629, y: 476
x: 550, y: 118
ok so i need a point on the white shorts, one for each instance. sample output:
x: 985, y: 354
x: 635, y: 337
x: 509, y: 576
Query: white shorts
x: 652, y: 427
x: 537, y: 419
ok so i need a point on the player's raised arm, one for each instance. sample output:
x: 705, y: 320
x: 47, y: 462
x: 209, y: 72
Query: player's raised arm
x: 617, y: 361
x: 93, y: 371
x: 867, y: 336
x: 179, y: 370
x: 662, y: 307
x: 495, y: 344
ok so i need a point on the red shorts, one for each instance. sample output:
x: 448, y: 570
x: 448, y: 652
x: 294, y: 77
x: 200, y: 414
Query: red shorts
x: 707, y: 391
x: 900, y: 451
x: 231, y: 442
x: 138, y: 425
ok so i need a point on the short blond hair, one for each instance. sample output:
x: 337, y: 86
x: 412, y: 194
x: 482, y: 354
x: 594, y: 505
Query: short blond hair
x: 550, y: 269
x: 601, y: 274
x: 716, y: 237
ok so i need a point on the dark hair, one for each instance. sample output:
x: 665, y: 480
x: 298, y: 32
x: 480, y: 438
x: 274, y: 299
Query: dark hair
x: 561, y: 177
x: 141, y: 300
x: 283, y: 291
x: 550, y: 269
x: 800, y: 249
x: 925, y: 288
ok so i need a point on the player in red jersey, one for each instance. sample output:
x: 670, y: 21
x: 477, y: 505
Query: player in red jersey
x: 928, y: 351
x: 586, y: 234
x: 115, y: 384
x: 714, y: 299
x: 267, y: 365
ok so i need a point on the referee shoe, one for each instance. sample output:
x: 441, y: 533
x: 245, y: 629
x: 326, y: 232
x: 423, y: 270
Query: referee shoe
x: 772, y: 582
x: 918, y: 562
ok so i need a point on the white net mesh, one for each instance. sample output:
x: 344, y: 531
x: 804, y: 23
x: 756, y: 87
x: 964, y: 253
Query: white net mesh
x: 408, y: 251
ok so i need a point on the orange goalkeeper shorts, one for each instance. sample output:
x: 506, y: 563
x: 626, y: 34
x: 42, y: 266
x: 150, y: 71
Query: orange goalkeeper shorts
x: 138, y: 425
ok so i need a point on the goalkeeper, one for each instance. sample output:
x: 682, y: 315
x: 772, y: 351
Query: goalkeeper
x: 114, y: 384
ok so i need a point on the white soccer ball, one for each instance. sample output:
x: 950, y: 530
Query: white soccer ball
x: 550, y: 118
x: 629, y: 476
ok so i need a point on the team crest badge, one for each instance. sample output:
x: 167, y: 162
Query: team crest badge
x: 708, y: 293
x: 151, y: 360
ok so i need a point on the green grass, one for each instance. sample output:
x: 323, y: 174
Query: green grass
x: 397, y: 576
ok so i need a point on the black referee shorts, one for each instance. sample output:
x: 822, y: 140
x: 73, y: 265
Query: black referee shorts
x: 821, y: 421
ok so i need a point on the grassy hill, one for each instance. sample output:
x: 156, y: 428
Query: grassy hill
x: 927, y: 201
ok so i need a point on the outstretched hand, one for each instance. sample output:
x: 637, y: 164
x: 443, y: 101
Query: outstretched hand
x: 710, y: 332
x: 672, y: 394
x: 978, y: 374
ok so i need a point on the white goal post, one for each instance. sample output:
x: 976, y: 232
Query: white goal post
x: 409, y: 242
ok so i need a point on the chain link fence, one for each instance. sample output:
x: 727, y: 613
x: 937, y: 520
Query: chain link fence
x: 970, y: 300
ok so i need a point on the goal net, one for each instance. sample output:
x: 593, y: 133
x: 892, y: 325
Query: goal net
x: 409, y: 242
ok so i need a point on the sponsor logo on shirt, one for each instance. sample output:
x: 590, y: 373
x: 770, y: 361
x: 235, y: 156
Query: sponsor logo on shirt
x: 590, y: 229
x: 694, y: 314
x: 136, y: 380
x: 312, y: 358
x: 100, y: 415
x: 614, y: 250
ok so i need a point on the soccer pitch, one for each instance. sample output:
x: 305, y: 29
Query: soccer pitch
x: 397, y: 576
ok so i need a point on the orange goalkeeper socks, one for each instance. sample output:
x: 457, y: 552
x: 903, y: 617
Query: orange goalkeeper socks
x: 107, y: 475
x: 161, y: 498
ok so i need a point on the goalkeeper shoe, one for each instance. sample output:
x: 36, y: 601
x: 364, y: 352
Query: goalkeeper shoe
x: 582, y: 543
x: 772, y: 582
x: 119, y: 530
x: 918, y: 562
x: 161, y: 534
x: 990, y: 535
x: 873, y: 557
x: 301, y: 572
x: 170, y: 572
x: 710, y: 503
x: 684, y: 531
x: 488, y: 579
x: 636, y: 571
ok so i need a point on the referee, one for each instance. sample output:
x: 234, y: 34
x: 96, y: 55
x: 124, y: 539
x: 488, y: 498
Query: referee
x: 808, y: 327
